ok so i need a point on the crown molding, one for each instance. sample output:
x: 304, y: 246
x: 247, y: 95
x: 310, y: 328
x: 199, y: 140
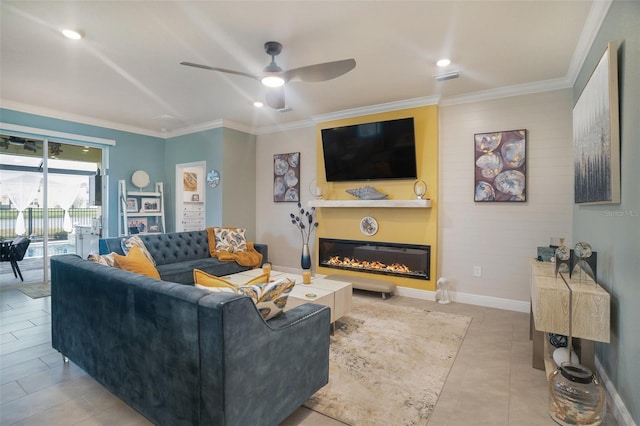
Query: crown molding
x: 91, y: 121
x: 376, y: 109
x: 508, y: 91
x: 284, y: 127
x: 209, y: 125
x: 598, y: 12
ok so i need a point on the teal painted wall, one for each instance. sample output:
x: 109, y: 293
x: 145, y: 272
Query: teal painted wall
x: 201, y: 146
x: 614, y: 230
x: 132, y: 152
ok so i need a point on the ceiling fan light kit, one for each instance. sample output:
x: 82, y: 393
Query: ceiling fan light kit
x: 272, y: 81
x: 275, y: 77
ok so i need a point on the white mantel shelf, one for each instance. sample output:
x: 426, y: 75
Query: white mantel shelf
x: 416, y: 204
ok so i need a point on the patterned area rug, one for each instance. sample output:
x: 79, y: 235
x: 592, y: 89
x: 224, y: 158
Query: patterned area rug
x: 36, y: 291
x: 388, y: 363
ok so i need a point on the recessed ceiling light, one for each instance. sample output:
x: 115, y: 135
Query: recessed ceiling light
x: 443, y: 62
x: 73, y: 35
x: 258, y: 104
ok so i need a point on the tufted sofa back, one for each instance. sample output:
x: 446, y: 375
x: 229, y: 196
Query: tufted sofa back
x: 168, y: 248
x: 177, y: 246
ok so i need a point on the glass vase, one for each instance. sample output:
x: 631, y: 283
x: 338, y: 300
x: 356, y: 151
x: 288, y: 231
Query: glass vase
x: 305, y: 259
x: 575, y: 396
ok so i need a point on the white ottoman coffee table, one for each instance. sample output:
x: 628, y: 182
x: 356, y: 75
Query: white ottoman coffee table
x: 335, y: 294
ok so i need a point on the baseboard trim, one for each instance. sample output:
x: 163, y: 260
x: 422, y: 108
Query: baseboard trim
x: 616, y: 403
x: 469, y: 299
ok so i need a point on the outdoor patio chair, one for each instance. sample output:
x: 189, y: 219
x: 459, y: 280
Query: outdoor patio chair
x: 14, y: 251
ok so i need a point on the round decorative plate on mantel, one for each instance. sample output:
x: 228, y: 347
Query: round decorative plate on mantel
x: 368, y: 226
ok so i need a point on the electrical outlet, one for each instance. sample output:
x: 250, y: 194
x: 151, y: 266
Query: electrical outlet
x: 477, y: 271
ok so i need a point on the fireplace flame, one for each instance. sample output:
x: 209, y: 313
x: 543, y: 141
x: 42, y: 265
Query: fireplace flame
x: 365, y: 264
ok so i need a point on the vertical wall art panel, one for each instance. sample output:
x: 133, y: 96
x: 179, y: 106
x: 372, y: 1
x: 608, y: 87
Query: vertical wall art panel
x: 500, y: 170
x: 596, y: 137
x: 286, y: 177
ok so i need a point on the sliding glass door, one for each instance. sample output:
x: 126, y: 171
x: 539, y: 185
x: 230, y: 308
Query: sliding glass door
x: 50, y: 196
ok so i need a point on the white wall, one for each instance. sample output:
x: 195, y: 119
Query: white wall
x: 273, y: 224
x: 502, y: 237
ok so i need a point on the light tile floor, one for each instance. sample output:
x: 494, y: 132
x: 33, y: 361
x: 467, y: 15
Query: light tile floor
x: 491, y: 382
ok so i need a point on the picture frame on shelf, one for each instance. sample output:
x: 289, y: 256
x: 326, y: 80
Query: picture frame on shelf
x: 195, y: 197
x: 155, y: 228
x: 140, y: 224
x: 150, y: 205
x: 132, y: 205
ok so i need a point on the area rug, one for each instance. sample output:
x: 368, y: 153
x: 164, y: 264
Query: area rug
x: 36, y: 291
x: 388, y: 363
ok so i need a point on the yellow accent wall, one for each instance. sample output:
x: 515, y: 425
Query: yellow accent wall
x: 395, y: 225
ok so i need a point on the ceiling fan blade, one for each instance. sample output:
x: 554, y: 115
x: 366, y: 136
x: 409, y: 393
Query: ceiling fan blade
x: 206, y: 67
x: 320, y: 72
x: 274, y: 97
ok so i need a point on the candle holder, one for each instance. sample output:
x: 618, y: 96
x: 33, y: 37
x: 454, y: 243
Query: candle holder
x: 420, y: 189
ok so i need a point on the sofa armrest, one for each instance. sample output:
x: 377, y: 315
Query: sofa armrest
x: 263, y: 249
x: 259, y: 371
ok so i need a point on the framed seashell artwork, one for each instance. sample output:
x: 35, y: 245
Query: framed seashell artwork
x: 500, y: 166
x: 286, y: 177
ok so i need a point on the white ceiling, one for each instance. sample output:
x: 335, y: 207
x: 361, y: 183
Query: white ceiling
x: 126, y: 74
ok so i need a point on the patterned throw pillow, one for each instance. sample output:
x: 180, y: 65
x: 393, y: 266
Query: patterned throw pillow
x: 135, y: 240
x: 231, y: 240
x: 105, y: 259
x: 135, y: 261
x: 216, y: 284
x: 270, y: 298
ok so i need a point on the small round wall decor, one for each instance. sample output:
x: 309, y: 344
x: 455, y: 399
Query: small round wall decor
x: 213, y: 178
x: 140, y: 178
x: 368, y: 226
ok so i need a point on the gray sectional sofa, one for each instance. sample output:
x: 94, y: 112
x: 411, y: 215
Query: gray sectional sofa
x: 177, y: 254
x: 181, y: 355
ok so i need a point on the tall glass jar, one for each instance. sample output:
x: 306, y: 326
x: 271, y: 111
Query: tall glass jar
x: 575, y: 396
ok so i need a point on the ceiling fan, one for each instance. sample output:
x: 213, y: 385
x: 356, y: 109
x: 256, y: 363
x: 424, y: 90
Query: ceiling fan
x: 275, y: 77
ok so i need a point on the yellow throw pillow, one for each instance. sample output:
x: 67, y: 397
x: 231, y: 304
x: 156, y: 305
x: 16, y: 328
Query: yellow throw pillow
x: 136, y: 261
x: 215, y: 284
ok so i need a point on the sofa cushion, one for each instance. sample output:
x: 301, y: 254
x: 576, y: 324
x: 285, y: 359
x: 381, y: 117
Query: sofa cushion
x: 231, y: 240
x: 270, y: 298
x: 136, y: 261
x: 135, y: 240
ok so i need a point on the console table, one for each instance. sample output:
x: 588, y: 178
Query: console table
x: 550, y: 311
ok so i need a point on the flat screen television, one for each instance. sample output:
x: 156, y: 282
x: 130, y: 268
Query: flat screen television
x: 370, y: 151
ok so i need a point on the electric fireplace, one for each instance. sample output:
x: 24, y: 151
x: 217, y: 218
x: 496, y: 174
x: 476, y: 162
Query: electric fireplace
x: 404, y: 260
